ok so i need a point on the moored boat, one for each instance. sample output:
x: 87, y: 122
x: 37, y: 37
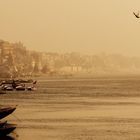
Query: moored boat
x: 7, y: 129
x: 5, y: 111
x: 2, y: 123
x: 7, y: 138
x: 20, y: 87
x: 31, y: 88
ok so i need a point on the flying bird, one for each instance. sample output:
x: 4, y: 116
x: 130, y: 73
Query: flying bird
x: 136, y: 15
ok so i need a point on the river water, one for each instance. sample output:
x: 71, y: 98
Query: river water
x: 101, y: 108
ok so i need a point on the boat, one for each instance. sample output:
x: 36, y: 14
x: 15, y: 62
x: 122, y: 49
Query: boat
x: 20, y: 87
x: 5, y: 111
x: 7, y: 138
x: 6, y: 87
x: 2, y: 123
x: 9, y: 88
x: 7, y: 129
x: 31, y: 88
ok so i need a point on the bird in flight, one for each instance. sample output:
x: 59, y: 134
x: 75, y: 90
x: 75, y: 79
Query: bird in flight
x: 136, y: 15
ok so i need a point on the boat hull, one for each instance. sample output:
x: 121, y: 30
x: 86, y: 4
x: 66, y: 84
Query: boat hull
x: 7, y: 129
x: 6, y: 111
x: 2, y: 123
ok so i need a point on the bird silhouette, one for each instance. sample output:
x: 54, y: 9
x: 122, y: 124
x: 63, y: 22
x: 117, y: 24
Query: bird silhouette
x: 136, y: 15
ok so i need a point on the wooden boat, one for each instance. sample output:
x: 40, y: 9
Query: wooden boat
x: 7, y: 129
x: 2, y: 123
x: 7, y: 138
x: 31, y: 88
x: 9, y: 88
x: 20, y: 87
x: 6, y: 87
x: 5, y: 111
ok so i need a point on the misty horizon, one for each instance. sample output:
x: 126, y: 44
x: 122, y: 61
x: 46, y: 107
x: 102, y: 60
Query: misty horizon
x: 72, y: 26
x: 78, y: 52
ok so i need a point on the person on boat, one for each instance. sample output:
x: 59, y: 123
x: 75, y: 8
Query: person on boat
x: 14, y: 85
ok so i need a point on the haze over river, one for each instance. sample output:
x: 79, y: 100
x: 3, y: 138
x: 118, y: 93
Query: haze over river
x: 101, y: 108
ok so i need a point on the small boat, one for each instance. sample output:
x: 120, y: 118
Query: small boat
x: 20, y: 87
x: 4, y: 87
x: 2, y: 123
x: 7, y: 138
x: 5, y: 111
x: 31, y: 88
x: 7, y: 129
x: 9, y: 88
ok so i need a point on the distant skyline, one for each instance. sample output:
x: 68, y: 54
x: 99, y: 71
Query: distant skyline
x: 85, y: 26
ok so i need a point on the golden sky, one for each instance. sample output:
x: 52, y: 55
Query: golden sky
x: 86, y: 26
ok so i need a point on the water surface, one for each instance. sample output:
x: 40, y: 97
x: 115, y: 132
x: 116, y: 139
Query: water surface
x: 78, y: 109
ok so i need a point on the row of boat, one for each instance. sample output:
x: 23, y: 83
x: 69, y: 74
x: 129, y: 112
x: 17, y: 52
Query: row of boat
x: 5, y: 127
x: 19, y: 85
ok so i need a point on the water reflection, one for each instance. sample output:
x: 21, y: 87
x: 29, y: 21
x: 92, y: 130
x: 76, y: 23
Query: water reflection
x: 7, y: 138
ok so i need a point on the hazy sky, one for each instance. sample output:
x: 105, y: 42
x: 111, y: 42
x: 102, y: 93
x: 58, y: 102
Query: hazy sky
x: 86, y: 26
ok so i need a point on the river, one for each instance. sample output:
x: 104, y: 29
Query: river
x: 100, y: 108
